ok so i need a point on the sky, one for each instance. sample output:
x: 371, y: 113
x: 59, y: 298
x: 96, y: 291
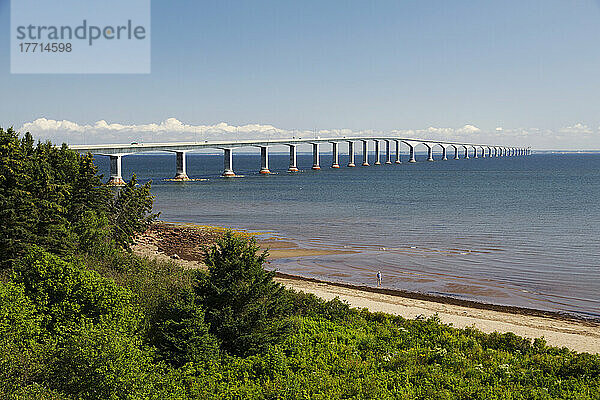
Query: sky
x: 519, y: 73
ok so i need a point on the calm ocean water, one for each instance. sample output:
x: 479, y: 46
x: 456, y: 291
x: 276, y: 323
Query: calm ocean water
x: 518, y: 231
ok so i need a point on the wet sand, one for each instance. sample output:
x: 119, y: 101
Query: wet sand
x: 183, y: 244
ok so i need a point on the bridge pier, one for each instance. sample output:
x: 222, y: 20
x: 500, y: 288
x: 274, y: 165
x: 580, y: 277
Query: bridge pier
x: 377, y: 162
x: 482, y: 152
x: 398, y: 152
x: 180, y: 166
x: 411, y: 154
x: 429, y: 152
x: 293, y: 167
x: 365, y: 154
x: 475, y: 155
x: 466, y: 152
x: 316, y: 156
x: 335, y: 155
x: 115, y: 171
x: 444, y: 157
x: 264, y: 160
x: 455, y: 152
x: 351, y: 154
x: 227, y: 164
x: 388, y: 154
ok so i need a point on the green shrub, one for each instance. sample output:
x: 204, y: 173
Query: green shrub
x: 68, y: 294
x: 21, y: 353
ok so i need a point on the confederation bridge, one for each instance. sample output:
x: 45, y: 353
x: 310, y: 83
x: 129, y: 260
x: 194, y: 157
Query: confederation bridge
x: 460, y: 150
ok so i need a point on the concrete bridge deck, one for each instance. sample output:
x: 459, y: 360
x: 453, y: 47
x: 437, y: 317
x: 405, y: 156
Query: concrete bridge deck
x: 117, y: 151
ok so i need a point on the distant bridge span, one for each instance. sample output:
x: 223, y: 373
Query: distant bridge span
x: 117, y: 151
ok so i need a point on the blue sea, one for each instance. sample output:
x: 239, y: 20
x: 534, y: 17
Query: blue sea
x: 522, y: 231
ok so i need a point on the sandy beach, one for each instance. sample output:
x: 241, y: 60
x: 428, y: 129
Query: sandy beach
x: 183, y: 244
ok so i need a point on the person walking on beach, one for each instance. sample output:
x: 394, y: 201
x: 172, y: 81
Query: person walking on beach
x: 378, y: 278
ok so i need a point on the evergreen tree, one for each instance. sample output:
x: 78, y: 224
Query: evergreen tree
x: 245, y: 308
x: 53, y: 197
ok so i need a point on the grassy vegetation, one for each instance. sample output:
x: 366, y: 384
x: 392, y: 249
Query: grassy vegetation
x: 83, y: 318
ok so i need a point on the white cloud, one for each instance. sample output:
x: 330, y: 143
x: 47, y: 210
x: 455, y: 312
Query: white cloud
x: 170, y: 129
x: 577, y: 129
x: 576, y: 136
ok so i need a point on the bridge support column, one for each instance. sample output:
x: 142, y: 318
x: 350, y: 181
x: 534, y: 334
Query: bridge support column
x: 455, y: 152
x: 335, y: 159
x: 377, y: 153
x: 316, y: 156
x: 429, y: 153
x: 227, y: 164
x: 483, y: 152
x: 115, y: 171
x: 365, y: 154
x: 398, y: 152
x: 351, y: 154
x: 444, y: 157
x: 293, y: 167
x: 411, y: 155
x: 388, y: 155
x: 264, y: 160
x: 180, y: 174
x: 466, y: 152
x: 475, y: 155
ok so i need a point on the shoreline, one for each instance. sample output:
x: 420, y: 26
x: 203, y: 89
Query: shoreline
x: 183, y: 242
x: 448, y: 300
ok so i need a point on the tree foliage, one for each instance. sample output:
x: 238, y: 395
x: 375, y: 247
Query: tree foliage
x: 245, y: 308
x: 53, y: 197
